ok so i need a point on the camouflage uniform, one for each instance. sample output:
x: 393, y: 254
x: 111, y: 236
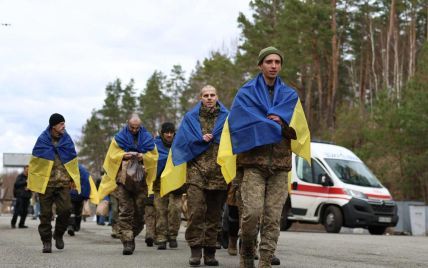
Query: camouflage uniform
x: 114, y: 204
x: 58, y: 193
x: 206, y: 191
x: 263, y: 192
x: 150, y: 218
x: 168, y: 216
x: 131, y: 207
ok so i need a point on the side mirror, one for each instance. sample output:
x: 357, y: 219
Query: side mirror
x: 325, y: 180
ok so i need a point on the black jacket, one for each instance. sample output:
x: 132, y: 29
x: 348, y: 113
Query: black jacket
x: 19, y: 187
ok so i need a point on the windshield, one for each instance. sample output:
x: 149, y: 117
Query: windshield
x: 352, y: 172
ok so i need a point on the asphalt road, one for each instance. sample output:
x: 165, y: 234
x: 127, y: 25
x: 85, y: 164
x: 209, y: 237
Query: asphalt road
x: 93, y: 247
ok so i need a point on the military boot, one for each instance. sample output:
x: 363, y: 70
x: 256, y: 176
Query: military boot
x: 127, y: 248
x: 133, y: 245
x: 209, y: 256
x: 196, y: 255
x: 59, y: 242
x: 275, y: 260
x: 47, y: 247
x: 231, y: 249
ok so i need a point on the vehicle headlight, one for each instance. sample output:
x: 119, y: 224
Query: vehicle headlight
x: 356, y: 194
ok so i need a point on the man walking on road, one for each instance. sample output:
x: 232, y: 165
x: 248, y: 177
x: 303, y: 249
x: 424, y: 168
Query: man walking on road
x: 168, y: 207
x: 23, y: 196
x: 52, y: 168
x: 130, y: 166
x: 261, y: 126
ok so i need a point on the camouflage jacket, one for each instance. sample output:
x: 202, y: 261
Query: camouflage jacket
x: 203, y: 171
x: 274, y: 157
x: 59, y: 175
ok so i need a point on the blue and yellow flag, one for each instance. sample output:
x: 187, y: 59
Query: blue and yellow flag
x: 43, y: 157
x: 89, y: 190
x: 163, y: 155
x: 124, y: 142
x: 187, y: 145
x: 248, y: 127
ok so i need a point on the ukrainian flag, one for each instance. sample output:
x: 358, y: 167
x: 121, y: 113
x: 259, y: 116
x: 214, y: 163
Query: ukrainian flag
x: 187, y: 145
x: 42, y: 160
x: 89, y: 190
x: 248, y: 127
x: 124, y: 142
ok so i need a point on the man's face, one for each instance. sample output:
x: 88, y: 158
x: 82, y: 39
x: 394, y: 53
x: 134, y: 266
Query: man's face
x: 209, y: 97
x: 134, y: 126
x: 59, y: 128
x: 168, y: 136
x: 270, y: 66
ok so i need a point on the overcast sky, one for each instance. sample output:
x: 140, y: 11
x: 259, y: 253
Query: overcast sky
x: 58, y: 55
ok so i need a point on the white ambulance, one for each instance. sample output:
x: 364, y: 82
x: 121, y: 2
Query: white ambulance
x: 337, y: 190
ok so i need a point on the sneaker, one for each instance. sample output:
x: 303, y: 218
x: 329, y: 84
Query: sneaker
x: 22, y: 226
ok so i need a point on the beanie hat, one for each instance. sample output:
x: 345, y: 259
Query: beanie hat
x: 55, y: 119
x: 167, y: 127
x: 267, y: 51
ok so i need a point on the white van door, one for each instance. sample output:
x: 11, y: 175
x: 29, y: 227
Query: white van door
x: 307, y: 193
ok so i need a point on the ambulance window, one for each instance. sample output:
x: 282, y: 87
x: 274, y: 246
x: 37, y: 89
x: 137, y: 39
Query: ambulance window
x: 318, y: 170
x: 303, y: 170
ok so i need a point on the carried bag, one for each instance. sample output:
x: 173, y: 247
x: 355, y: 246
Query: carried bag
x: 134, y: 180
x: 86, y: 211
x: 102, y: 208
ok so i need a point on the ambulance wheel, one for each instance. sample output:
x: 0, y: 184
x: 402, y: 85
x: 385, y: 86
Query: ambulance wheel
x: 377, y: 230
x: 333, y: 219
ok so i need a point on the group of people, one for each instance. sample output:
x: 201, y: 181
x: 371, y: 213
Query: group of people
x: 242, y: 156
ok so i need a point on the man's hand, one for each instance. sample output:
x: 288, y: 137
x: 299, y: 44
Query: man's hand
x: 207, y: 137
x: 127, y: 156
x: 276, y: 118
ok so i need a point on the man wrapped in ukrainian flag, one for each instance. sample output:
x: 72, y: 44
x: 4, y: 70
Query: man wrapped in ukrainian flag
x: 266, y: 123
x: 52, y: 170
x: 192, y: 160
x: 130, y: 145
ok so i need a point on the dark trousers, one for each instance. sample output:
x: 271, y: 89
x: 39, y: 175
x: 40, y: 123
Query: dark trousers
x: 61, y: 198
x: 204, y: 210
x: 233, y: 221
x: 76, y: 215
x: 21, y: 210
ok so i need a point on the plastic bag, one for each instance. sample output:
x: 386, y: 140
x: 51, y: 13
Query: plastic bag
x: 134, y: 175
x: 86, y: 211
x: 102, y: 208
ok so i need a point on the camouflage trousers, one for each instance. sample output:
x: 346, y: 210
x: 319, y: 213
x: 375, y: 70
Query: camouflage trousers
x: 168, y: 216
x: 114, y: 205
x: 263, y: 194
x: 150, y: 220
x: 204, y: 211
x: 60, y: 196
x: 131, y: 213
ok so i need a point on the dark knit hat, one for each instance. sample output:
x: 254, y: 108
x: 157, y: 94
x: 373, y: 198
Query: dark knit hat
x: 55, y: 119
x: 267, y: 51
x: 167, y: 127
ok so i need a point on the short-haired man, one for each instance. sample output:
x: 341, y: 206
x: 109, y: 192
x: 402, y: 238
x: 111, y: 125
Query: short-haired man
x: 131, y: 145
x: 168, y: 207
x: 261, y: 129
x: 196, y: 145
x: 52, y: 168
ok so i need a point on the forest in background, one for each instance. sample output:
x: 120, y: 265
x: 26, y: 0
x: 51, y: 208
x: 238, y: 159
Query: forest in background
x: 359, y: 67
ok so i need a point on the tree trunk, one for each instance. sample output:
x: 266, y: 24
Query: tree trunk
x: 388, y: 44
x: 372, y: 43
x: 334, y: 66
